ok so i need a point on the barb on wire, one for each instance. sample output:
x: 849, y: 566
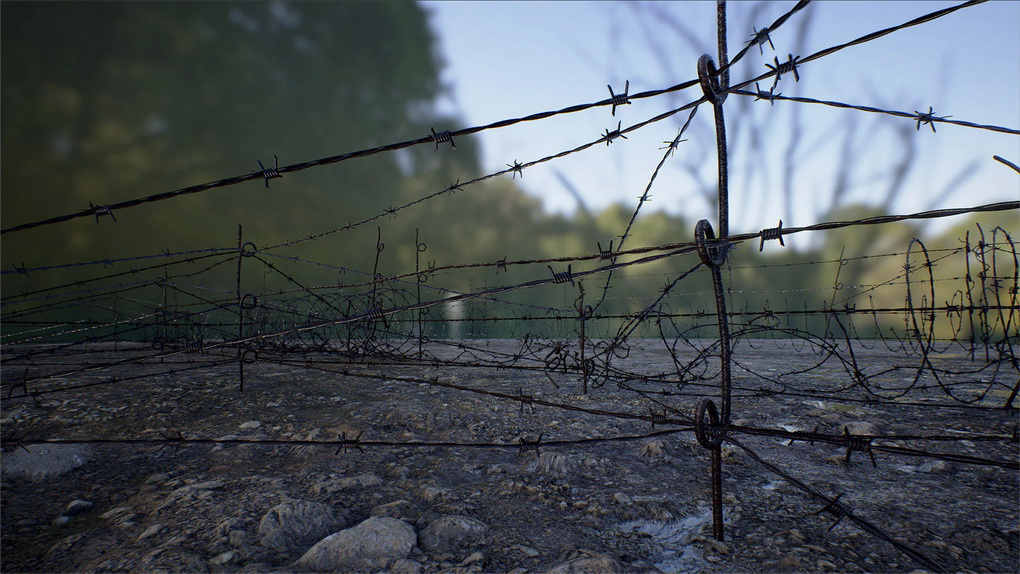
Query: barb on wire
x: 769, y: 96
x: 526, y: 444
x: 672, y: 145
x: 525, y: 399
x: 835, y: 508
x: 760, y: 95
x: 345, y: 444
x: 760, y: 37
x: 770, y: 234
x: 21, y: 270
x: 928, y: 118
x: 271, y: 173
x: 12, y: 442
x: 101, y: 210
x: 609, y: 136
x: 443, y: 137
x: 516, y: 169
x: 607, y: 253
x: 174, y: 440
x: 658, y: 418
x: 859, y: 444
x: 787, y: 67
x: 563, y: 277
x: 619, y: 99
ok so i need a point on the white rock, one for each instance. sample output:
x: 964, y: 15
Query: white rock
x: 473, y: 558
x: 224, y: 558
x: 77, y: 507
x: 653, y: 450
x: 862, y: 428
x: 157, y: 478
x: 370, y: 545
x: 526, y: 550
x: 936, y: 467
x: 207, y: 485
x: 150, y: 531
x: 550, y: 463
x: 39, y: 462
x: 251, y: 425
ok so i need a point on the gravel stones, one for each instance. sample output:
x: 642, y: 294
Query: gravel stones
x: 200, y: 507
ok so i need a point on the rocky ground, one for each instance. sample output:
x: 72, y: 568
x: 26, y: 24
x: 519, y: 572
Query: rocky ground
x: 639, y: 505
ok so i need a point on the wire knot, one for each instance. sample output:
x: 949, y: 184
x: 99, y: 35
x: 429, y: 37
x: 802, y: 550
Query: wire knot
x: 376, y: 314
x: 21, y: 270
x: 658, y: 418
x: 606, y: 254
x: 525, y: 399
x: 172, y: 440
x: 612, y: 135
x: 770, y: 234
x: 760, y: 37
x: 345, y: 444
x: 516, y: 169
x: 835, y: 508
x: 442, y: 137
x: 769, y: 96
x: 268, y: 174
x: 99, y: 210
x: 857, y: 443
x: 12, y: 442
x: 619, y: 99
x: 526, y: 444
x: 564, y: 277
x: 672, y: 145
x: 928, y: 118
x: 787, y: 67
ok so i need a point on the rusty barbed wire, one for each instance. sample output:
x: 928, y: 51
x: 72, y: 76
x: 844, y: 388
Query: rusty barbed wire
x: 371, y: 327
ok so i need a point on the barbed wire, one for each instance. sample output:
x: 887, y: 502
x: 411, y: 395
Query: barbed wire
x: 403, y: 329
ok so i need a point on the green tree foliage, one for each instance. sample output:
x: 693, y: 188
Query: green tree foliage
x: 104, y: 102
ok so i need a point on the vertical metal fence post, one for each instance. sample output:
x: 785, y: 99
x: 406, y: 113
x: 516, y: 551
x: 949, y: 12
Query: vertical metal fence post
x: 240, y: 311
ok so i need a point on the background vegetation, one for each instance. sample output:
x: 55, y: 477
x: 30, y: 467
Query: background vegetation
x: 103, y: 102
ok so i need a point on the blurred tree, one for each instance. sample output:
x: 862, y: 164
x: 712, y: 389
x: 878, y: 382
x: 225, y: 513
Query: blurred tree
x: 103, y: 102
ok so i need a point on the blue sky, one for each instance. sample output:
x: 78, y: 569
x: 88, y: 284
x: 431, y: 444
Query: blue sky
x: 508, y: 59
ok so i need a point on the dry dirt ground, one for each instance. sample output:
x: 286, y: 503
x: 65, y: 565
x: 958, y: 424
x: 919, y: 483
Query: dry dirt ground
x: 640, y: 505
